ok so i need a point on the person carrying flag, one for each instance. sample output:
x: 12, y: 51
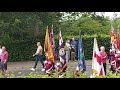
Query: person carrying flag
x: 61, y: 65
x: 104, y: 57
x: 81, y: 58
x: 52, y: 41
x: 97, y: 63
x: 49, y: 63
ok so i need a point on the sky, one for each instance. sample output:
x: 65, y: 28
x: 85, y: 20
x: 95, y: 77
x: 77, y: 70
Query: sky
x: 108, y: 14
x: 111, y: 14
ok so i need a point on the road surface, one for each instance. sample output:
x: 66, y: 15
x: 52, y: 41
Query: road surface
x: 24, y: 67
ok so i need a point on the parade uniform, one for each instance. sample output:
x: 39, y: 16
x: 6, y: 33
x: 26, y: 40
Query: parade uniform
x: 49, y: 66
x: 117, y: 58
x: 54, y: 54
x: 60, y: 68
x: 112, y: 58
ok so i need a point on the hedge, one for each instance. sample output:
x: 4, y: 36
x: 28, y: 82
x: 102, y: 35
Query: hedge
x: 103, y: 40
x: 23, y: 50
x: 88, y: 45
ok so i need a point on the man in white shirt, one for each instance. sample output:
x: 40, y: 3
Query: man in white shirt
x: 39, y: 56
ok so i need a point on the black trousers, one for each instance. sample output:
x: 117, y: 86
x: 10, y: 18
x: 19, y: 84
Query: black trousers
x: 39, y: 58
x: 104, y: 66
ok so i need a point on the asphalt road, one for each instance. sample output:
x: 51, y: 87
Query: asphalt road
x: 24, y: 67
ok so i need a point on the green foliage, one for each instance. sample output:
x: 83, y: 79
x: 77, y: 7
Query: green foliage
x: 56, y: 75
x: 6, y: 39
x: 24, y: 25
x: 109, y: 75
x: 23, y: 50
x: 37, y: 75
x: 20, y: 31
x: 86, y: 25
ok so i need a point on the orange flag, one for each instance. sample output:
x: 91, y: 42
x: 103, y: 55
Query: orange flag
x: 48, y: 47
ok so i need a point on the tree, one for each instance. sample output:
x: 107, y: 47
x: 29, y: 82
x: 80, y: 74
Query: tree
x: 88, y: 22
x: 25, y: 25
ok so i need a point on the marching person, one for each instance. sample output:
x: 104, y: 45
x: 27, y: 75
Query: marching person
x: 104, y: 57
x: 117, y: 58
x: 54, y: 52
x: 4, y: 59
x: 112, y: 60
x: 49, y: 65
x: 112, y: 56
x: 61, y: 69
x: 39, y: 56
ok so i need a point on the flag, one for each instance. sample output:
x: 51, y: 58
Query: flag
x: 53, y: 42
x: 96, y: 60
x: 51, y: 35
x: 61, y: 50
x: 112, y: 34
x: 118, y: 39
x: 81, y: 57
x: 48, y: 47
x: 113, y: 38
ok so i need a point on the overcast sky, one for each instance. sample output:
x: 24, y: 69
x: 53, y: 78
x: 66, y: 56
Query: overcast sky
x: 111, y: 14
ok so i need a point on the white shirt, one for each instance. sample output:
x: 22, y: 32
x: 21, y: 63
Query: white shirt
x: 39, y: 50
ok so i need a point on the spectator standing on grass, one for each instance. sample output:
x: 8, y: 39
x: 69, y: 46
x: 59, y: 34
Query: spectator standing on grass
x: 4, y: 59
x: 39, y: 57
x: 104, y: 57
